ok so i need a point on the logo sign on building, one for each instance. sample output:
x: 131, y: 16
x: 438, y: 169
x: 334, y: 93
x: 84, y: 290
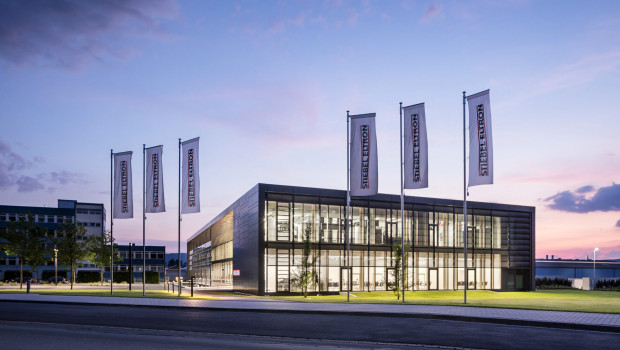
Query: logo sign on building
x: 363, y: 153
x: 416, y: 147
x: 154, y: 181
x: 480, y: 139
x: 236, y: 273
x: 190, y: 192
x: 123, y: 191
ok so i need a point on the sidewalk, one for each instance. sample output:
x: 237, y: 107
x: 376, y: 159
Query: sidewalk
x: 553, y: 319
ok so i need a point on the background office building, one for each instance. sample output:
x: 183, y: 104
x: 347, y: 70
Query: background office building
x: 90, y: 215
x: 572, y: 268
x: 256, y: 244
x: 155, y: 260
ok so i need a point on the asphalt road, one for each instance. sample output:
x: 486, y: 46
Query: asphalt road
x: 65, y: 326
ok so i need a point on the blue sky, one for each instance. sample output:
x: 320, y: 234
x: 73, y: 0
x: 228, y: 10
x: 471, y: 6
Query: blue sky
x: 266, y: 86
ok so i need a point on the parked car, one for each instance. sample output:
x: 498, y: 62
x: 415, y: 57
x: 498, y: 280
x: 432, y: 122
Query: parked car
x: 60, y: 279
x: 26, y: 279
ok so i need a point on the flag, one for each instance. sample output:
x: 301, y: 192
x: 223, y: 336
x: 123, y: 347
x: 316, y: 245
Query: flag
x: 363, y: 171
x: 480, y: 139
x: 123, y: 191
x: 154, y: 180
x: 416, y: 147
x: 191, y: 179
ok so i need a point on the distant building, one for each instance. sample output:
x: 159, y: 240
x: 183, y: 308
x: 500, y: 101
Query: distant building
x: 90, y: 215
x: 256, y: 244
x: 172, y: 273
x: 155, y: 260
x: 577, y: 268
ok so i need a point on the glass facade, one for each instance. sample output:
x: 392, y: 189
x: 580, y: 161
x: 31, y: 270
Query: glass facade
x: 256, y: 245
x: 433, y: 244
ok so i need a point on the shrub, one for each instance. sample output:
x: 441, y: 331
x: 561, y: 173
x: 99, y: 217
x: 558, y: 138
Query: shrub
x: 553, y: 283
x: 88, y: 276
x: 608, y: 284
x: 122, y: 276
x: 151, y: 277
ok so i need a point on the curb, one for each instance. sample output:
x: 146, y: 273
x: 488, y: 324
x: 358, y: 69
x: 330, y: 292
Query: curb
x: 499, y: 321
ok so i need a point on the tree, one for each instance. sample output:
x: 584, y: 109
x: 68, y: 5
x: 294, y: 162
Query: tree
x: 72, y: 246
x: 306, y: 275
x: 396, y: 264
x: 25, y: 239
x: 99, y: 247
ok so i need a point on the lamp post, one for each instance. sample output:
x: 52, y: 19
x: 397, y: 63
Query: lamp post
x: 130, y: 264
x: 56, y: 266
x: 594, y: 266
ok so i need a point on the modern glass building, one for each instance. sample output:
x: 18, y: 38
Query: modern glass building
x: 256, y: 244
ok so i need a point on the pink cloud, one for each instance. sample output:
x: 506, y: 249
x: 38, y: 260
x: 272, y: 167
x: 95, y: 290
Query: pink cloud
x: 433, y: 12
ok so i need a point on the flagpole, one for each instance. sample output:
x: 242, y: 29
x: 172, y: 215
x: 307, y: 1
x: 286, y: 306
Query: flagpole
x: 402, y: 205
x: 179, y: 245
x: 143, y: 217
x: 346, y: 225
x: 111, y: 222
x: 465, y: 230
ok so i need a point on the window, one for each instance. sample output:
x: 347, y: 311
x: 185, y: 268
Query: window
x: 96, y: 212
x: 2, y: 217
x: 50, y: 218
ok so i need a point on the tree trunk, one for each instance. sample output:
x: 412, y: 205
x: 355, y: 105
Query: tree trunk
x: 21, y: 273
x: 72, y: 274
x: 102, y: 275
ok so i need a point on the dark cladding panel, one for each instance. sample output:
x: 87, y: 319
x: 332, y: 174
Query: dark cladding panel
x: 246, y: 243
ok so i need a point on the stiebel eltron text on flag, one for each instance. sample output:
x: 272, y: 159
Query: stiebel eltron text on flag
x: 416, y: 147
x: 480, y: 139
x: 154, y: 180
x: 190, y: 192
x: 363, y: 172
x: 123, y: 191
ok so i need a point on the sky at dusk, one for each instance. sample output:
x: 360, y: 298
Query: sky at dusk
x: 266, y: 86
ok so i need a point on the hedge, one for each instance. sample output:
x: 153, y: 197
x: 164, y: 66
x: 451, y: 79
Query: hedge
x: 10, y: 274
x: 555, y: 282
x: 50, y: 273
x: 121, y: 276
x: 88, y: 276
x: 613, y: 284
x: 151, y: 277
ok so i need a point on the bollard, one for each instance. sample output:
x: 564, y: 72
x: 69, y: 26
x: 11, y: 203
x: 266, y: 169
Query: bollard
x: 173, y: 288
x: 27, y: 286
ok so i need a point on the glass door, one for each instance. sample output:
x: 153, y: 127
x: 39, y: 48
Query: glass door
x: 433, y: 279
x: 471, y: 278
x: 345, y: 279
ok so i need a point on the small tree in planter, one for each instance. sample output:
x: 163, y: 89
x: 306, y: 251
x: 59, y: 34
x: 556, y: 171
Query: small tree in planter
x: 396, y: 264
x: 306, y: 275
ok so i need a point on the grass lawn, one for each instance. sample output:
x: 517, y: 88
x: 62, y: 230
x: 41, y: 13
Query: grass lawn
x: 556, y: 300
x: 105, y: 292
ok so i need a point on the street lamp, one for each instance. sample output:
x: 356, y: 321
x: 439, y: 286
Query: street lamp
x: 56, y: 266
x: 594, y: 267
x: 131, y: 245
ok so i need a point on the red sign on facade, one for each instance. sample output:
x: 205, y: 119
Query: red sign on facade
x: 236, y: 273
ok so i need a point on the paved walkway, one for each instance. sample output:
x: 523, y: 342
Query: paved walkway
x: 556, y: 319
